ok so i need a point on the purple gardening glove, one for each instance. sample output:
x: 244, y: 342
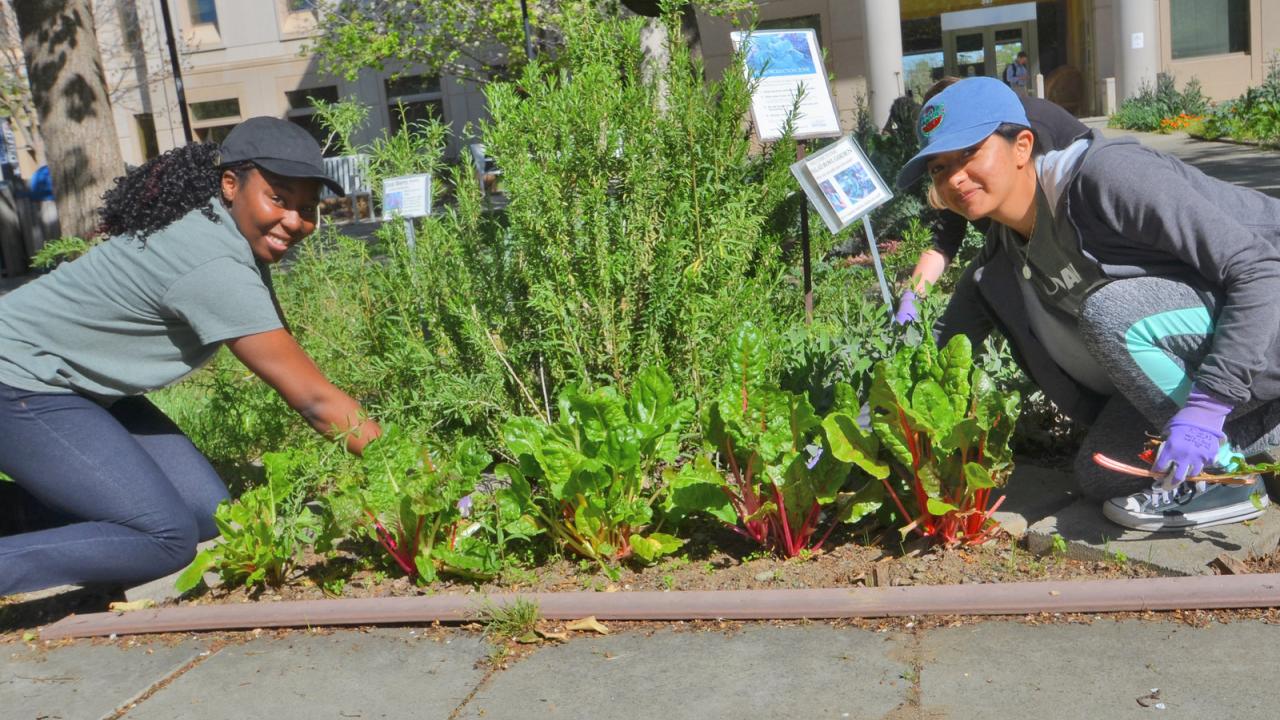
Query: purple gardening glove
x: 1193, y: 438
x: 907, y: 312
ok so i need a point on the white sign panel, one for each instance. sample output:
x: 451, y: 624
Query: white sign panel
x: 841, y: 183
x: 1137, y: 41
x: 782, y: 64
x: 408, y: 196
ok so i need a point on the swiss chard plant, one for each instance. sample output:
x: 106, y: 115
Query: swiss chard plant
x: 422, y: 505
x: 595, y: 469
x: 943, y: 426
x: 262, y: 532
x: 776, y: 481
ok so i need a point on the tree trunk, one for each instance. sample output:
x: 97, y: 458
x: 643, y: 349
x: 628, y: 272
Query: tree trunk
x: 69, y: 90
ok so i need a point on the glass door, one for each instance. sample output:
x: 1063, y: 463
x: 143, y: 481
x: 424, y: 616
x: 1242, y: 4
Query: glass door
x: 989, y: 50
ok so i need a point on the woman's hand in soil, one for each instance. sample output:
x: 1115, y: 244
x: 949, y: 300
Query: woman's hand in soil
x: 277, y: 358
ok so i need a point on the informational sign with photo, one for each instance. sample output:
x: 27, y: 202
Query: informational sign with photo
x: 408, y: 196
x: 783, y: 64
x: 841, y: 183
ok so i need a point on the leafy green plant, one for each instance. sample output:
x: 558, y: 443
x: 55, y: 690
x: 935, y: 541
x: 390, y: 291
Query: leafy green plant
x: 64, y: 249
x: 342, y: 120
x: 1255, y: 115
x: 595, y: 467
x: 1151, y: 105
x: 263, y: 531
x: 945, y: 427
x: 778, y: 479
x: 422, y: 506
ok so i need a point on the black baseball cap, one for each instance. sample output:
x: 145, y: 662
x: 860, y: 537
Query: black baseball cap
x: 277, y: 146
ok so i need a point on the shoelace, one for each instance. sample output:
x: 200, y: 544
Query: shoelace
x: 1181, y: 494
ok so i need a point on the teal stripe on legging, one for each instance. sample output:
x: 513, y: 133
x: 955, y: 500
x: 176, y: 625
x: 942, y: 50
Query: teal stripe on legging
x: 1141, y: 338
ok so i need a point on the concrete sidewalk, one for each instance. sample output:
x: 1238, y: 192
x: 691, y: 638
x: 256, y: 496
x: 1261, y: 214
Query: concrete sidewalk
x: 1243, y: 165
x: 995, y: 670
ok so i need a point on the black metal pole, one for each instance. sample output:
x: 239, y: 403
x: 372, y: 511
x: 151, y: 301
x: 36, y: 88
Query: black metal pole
x: 802, y: 149
x: 528, y: 30
x: 177, y: 70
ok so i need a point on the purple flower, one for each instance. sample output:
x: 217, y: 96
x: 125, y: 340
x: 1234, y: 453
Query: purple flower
x: 464, y: 506
x: 815, y: 454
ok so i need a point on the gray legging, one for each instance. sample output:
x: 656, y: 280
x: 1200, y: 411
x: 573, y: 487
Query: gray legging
x: 1149, y: 334
x: 132, y: 495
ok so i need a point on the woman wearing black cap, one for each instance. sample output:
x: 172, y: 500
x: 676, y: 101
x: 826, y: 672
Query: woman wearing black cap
x: 185, y: 271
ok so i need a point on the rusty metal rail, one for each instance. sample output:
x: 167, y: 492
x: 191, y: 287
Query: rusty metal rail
x: 1206, y: 592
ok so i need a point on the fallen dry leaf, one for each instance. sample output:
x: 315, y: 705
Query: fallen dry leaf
x: 549, y: 635
x: 124, y: 607
x: 588, y: 623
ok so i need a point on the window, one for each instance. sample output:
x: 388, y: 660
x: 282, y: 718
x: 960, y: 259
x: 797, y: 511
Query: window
x: 130, y: 26
x: 922, y: 59
x: 147, y: 135
x: 1208, y: 27
x: 214, y: 109
x: 418, y: 95
x: 302, y: 113
x: 214, y: 134
x: 203, y: 12
x: 301, y: 99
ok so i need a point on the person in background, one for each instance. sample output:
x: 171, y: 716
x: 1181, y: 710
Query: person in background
x: 185, y: 271
x: 1137, y: 292
x: 1016, y: 74
x: 1054, y: 128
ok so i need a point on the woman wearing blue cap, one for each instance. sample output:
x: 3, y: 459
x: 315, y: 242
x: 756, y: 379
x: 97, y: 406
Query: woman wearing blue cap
x: 1137, y: 292
x: 124, y: 496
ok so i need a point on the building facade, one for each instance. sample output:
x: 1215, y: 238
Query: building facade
x: 243, y: 58
x: 878, y: 49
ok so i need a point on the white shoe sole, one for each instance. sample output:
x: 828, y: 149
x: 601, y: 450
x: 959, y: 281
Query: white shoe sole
x: 1236, y: 513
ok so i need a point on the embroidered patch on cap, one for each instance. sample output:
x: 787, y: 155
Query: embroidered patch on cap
x: 930, y: 119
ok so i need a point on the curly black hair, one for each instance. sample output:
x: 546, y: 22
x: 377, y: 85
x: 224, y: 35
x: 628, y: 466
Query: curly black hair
x: 150, y: 197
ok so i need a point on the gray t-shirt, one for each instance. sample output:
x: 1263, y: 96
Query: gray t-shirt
x: 133, y: 316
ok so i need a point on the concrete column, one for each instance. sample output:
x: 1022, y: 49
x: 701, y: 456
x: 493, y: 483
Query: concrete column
x: 883, y: 35
x: 1137, y: 45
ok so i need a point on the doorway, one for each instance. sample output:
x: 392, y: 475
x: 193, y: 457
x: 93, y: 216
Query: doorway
x: 984, y: 42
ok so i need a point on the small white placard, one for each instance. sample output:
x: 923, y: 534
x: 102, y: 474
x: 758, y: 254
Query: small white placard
x: 781, y: 63
x: 841, y: 183
x: 408, y: 196
x: 1137, y: 41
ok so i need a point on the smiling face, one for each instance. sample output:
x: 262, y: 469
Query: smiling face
x: 272, y: 212
x: 989, y: 179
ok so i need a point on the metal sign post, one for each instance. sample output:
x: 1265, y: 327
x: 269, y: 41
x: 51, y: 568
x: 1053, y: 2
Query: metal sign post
x: 845, y: 187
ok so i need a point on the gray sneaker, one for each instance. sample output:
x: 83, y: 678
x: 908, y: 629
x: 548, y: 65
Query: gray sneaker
x: 1188, y: 506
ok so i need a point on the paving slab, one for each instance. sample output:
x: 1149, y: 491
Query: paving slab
x: 84, y: 680
x: 392, y: 673
x: 1090, y: 536
x: 1033, y: 493
x: 162, y: 589
x: 759, y: 671
x: 1011, y: 671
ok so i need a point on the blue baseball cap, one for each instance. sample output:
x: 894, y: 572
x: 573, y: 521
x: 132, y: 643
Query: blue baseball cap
x: 961, y: 116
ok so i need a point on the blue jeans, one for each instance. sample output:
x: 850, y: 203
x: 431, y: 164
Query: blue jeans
x: 132, y: 492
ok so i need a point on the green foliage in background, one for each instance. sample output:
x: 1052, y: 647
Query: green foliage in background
x: 1144, y: 111
x: 1254, y: 116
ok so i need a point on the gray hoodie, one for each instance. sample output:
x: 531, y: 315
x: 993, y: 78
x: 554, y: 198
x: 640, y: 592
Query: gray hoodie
x: 1138, y: 213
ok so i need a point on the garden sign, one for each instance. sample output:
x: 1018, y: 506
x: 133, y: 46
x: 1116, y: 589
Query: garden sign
x: 406, y: 196
x: 844, y: 187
